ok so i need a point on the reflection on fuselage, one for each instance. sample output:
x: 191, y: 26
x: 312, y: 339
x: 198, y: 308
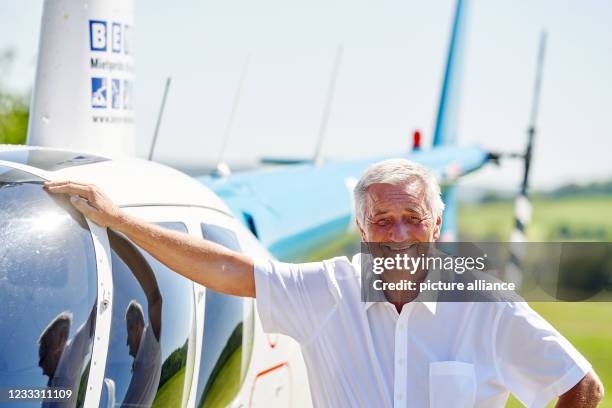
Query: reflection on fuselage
x: 145, y: 349
x: 48, y: 289
x: 135, y: 324
x: 145, y: 365
x: 59, y: 355
x: 228, y: 336
x: 61, y: 358
x: 142, y: 338
x: 52, y: 342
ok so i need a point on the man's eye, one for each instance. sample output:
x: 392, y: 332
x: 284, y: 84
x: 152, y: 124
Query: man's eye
x: 384, y: 222
x: 413, y: 219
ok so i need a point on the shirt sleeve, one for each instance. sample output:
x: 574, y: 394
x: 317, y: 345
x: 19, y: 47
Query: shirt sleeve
x: 535, y: 362
x: 293, y: 299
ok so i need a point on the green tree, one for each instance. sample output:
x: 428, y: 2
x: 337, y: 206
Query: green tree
x: 14, y: 110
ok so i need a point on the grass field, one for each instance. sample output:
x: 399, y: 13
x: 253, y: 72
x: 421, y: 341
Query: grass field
x: 171, y: 393
x: 225, y: 386
x: 568, y: 219
x: 588, y: 326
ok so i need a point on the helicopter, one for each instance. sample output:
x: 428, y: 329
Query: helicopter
x: 90, y: 319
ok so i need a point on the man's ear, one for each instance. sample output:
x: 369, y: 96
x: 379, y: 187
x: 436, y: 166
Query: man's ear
x: 437, y: 227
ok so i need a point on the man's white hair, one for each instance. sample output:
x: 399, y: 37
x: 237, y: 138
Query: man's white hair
x: 60, y: 324
x: 134, y: 313
x: 398, y: 171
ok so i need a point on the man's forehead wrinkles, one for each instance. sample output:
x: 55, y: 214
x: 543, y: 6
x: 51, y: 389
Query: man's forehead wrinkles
x: 393, y: 195
x: 398, y: 198
x: 387, y: 198
x: 389, y: 189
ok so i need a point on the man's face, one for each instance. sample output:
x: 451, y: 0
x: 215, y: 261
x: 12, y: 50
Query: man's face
x: 50, y: 352
x: 134, y: 335
x: 398, y: 214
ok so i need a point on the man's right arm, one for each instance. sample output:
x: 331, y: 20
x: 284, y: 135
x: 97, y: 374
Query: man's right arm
x: 202, y: 261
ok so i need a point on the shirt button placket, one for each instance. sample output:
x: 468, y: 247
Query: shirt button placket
x: 401, y: 351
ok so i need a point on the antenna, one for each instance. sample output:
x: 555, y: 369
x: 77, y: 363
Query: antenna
x: 222, y: 169
x: 159, y: 118
x: 318, y: 159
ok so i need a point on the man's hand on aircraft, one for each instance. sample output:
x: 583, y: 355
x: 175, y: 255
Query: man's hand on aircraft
x: 89, y: 200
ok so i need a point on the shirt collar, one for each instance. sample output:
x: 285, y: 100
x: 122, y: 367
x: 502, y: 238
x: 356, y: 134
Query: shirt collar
x: 430, y: 305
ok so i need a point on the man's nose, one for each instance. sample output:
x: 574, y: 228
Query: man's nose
x: 399, y: 233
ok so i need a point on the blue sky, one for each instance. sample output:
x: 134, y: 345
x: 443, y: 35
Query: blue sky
x: 388, y: 84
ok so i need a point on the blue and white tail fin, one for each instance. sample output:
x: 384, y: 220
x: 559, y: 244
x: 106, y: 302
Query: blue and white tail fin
x: 448, y: 111
x: 449, y: 103
x: 83, y: 91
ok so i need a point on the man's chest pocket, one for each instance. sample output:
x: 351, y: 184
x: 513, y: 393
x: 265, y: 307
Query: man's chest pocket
x: 452, y: 384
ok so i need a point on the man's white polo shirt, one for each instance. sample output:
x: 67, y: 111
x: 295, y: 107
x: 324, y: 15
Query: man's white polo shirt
x: 430, y: 355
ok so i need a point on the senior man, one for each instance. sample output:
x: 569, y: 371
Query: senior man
x: 397, y: 353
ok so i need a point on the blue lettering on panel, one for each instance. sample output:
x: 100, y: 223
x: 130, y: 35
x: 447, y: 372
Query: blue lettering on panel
x: 97, y: 35
x: 116, y: 93
x: 98, y: 93
x: 116, y: 38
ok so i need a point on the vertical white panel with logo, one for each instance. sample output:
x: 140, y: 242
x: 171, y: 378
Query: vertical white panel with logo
x: 83, y: 94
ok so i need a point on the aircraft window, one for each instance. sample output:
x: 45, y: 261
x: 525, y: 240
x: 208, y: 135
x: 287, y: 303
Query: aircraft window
x: 152, y: 329
x: 48, y: 289
x: 228, y: 336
